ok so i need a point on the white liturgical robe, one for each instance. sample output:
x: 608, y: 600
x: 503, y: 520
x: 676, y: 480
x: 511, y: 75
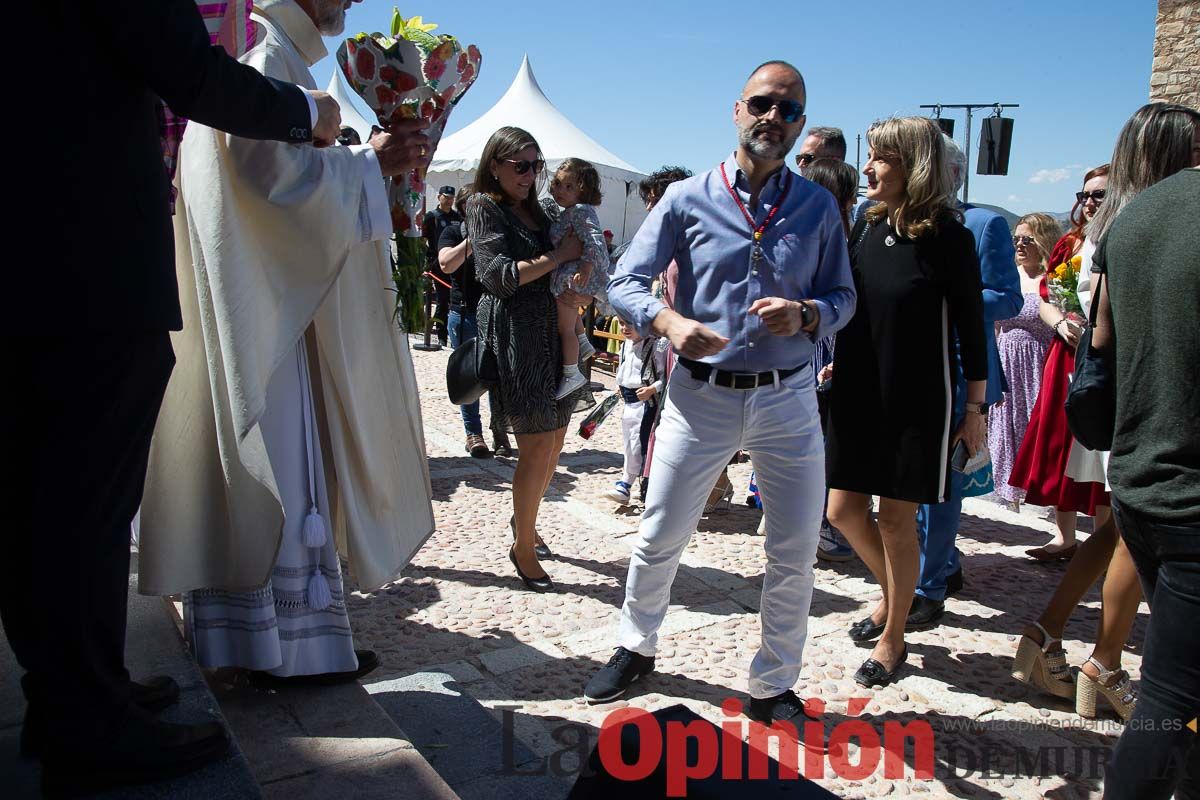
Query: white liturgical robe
x: 282, y: 246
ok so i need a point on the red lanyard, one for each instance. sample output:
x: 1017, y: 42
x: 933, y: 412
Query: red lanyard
x: 758, y: 231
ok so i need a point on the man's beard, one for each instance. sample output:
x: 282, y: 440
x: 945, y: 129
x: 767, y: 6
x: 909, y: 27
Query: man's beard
x: 331, y: 19
x: 772, y: 151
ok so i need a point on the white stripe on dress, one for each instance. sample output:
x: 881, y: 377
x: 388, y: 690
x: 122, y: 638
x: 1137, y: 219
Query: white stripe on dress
x: 949, y: 402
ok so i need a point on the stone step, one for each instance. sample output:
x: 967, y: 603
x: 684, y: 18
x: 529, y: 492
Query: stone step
x: 458, y: 735
x: 326, y: 743
x: 153, y: 647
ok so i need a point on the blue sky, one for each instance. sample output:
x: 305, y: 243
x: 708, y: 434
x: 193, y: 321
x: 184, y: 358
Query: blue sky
x: 655, y: 82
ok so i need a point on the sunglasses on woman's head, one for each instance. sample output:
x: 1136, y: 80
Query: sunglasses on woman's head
x: 524, y: 165
x: 789, y: 110
x: 1097, y: 195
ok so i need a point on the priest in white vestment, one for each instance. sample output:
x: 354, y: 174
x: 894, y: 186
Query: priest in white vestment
x: 291, y: 428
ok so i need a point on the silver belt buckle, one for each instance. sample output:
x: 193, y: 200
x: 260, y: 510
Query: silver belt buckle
x: 751, y: 380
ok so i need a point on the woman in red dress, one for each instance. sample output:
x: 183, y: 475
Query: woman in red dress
x: 1041, y: 462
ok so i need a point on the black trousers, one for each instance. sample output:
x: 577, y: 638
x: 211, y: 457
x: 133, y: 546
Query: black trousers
x: 87, y: 404
x: 1157, y: 754
x: 441, y: 301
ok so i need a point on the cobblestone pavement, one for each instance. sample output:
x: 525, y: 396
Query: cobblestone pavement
x: 486, y: 678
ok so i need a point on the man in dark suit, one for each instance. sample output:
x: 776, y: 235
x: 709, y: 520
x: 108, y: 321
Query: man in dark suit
x: 87, y: 325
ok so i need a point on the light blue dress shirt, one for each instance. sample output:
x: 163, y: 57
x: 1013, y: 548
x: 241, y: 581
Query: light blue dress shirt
x: 699, y: 226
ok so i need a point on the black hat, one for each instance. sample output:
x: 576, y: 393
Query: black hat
x: 450, y: 190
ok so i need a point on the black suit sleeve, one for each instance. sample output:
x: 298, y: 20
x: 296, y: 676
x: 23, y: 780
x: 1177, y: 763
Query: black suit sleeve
x: 166, y: 44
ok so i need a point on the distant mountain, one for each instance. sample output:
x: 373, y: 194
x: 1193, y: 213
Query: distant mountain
x: 1063, y: 218
x: 1009, y: 216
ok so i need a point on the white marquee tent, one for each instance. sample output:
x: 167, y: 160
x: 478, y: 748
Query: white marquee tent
x: 350, y: 116
x: 526, y: 106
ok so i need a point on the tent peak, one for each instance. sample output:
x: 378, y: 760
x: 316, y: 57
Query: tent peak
x: 525, y: 76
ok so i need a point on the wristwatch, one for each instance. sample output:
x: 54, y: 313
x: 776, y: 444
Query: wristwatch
x: 808, y: 314
x: 978, y: 408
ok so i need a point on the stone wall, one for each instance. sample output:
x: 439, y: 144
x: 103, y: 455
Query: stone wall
x: 1176, y: 74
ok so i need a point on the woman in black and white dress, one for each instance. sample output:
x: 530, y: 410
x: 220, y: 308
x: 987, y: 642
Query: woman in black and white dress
x: 917, y: 277
x: 510, y: 234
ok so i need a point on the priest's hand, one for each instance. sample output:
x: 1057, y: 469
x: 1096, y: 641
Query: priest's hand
x: 329, y: 119
x: 403, y: 146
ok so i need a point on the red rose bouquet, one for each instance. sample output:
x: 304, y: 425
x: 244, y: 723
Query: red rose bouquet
x: 411, y: 74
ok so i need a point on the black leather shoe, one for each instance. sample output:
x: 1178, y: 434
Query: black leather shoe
x: 141, y: 749
x: 866, y: 630
x: 367, y: 663
x: 540, y: 549
x: 615, y: 677
x: 501, y: 447
x: 152, y: 696
x: 542, y: 584
x: 786, y: 707
x: 924, y: 613
x: 954, y: 581
x: 872, y: 673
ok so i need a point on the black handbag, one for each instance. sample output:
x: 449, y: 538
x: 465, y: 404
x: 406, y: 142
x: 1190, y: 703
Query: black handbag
x: 1092, y: 396
x: 470, y: 372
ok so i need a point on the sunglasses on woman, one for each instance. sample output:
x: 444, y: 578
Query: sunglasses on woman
x: 789, y: 110
x: 1027, y: 241
x: 1096, y: 194
x: 524, y: 165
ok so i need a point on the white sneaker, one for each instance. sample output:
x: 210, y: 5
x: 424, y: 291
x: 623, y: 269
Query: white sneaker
x: 586, y: 349
x: 570, y: 384
x: 619, y: 493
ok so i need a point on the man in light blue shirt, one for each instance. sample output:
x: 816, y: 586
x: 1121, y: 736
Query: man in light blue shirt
x: 763, y: 273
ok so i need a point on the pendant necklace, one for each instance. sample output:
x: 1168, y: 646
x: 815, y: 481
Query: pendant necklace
x: 757, y: 230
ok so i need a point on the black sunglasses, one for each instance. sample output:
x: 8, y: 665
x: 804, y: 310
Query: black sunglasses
x: 1028, y: 241
x: 525, y: 165
x: 1097, y: 195
x: 789, y: 110
x: 804, y: 159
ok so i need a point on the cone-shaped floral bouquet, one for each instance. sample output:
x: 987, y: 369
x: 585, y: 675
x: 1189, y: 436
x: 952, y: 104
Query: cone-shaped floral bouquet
x: 412, y: 74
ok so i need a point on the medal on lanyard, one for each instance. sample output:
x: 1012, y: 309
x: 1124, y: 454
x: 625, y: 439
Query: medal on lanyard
x: 757, y: 230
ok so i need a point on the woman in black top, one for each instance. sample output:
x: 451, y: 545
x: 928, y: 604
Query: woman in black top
x: 510, y: 236
x: 917, y: 274
x: 458, y: 262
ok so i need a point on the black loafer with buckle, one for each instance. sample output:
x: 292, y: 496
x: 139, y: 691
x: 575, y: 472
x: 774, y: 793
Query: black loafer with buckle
x: 866, y: 630
x: 872, y: 673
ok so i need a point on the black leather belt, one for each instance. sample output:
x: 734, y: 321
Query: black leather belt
x: 735, y: 380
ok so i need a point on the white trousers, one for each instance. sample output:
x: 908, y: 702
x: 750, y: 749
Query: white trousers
x: 702, y: 426
x: 631, y: 431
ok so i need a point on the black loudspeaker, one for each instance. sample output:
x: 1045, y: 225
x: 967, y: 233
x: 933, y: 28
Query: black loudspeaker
x: 947, y: 126
x: 995, y: 141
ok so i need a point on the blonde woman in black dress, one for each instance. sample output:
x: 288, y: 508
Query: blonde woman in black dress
x: 917, y: 277
x: 510, y: 234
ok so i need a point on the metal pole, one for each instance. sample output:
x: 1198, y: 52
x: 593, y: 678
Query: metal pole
x: 967, y: 171
x: 858, y: 155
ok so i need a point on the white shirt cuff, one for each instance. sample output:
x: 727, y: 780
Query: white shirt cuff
x: 378, y: 217
x: 312, y: 108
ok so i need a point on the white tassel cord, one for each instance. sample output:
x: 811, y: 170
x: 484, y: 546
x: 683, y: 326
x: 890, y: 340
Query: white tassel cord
x: 312, y: 532
x: 318, y: 595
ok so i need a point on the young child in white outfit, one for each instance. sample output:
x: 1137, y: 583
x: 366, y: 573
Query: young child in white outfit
x: 576, y: 187
x: 640, y: 381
